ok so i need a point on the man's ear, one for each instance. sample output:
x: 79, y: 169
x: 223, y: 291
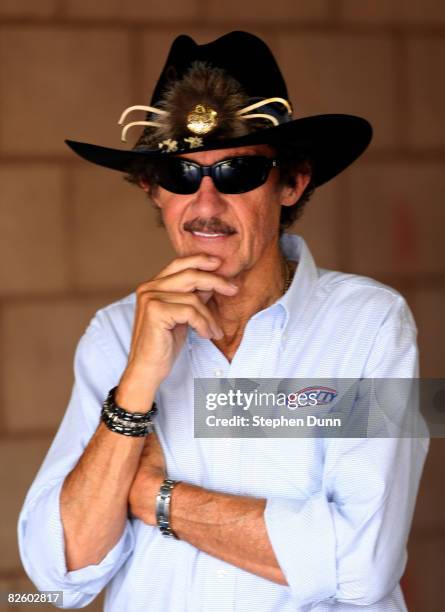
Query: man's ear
x: 144, y: 185
x: 292, y: 193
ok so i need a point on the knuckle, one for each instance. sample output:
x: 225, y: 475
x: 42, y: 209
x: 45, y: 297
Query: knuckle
x: 143, y: 300
x: 142, y: 288
x: 153, y: 306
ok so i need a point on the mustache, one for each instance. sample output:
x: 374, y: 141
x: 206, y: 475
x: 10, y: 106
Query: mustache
x: 212, y: 225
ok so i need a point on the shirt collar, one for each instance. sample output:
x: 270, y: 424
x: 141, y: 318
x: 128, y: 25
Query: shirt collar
x: 294, y: 247
x: 293, y: 302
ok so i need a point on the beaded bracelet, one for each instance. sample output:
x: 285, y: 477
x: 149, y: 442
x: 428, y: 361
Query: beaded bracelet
x: 127, y: 423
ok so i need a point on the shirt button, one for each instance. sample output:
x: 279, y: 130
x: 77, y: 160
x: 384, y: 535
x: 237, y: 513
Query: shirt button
x: 221, y: 573
x: 218, y: 372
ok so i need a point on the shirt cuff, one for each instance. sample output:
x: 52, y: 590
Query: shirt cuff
x: 302, y: 536
x: 43, y: 552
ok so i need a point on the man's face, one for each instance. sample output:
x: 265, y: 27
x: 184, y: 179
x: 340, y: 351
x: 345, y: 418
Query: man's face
x: 248, y: 222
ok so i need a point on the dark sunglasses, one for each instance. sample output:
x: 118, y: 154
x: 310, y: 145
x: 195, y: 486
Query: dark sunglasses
x: 232, y: 175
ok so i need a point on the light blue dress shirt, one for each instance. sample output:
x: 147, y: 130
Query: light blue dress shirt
x: 338, y: 511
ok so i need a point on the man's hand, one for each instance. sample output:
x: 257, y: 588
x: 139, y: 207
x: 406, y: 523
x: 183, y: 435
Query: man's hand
x: 165, y: 305
x: 147, y: 481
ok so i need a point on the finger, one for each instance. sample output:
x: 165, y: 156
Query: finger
x: 165, y: 309
x: 176, y: 314
x: 200, y: 261
x: 194, y: 280
x: 192, y: 300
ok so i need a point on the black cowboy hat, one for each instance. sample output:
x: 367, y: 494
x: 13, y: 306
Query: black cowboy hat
x: 333, y: 141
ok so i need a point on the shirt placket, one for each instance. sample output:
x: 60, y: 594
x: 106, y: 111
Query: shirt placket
x: 214, y: 588
x: 260, y: 344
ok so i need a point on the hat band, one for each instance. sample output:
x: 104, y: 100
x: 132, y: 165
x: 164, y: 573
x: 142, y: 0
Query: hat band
x: 268, y: 107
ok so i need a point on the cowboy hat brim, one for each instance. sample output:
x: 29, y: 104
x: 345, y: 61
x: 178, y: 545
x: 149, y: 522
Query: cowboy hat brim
x: 334, y: 141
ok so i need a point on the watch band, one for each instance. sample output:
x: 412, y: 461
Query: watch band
x: 163, y: 500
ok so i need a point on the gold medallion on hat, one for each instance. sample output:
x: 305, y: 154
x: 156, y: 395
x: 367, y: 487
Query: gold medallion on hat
x: 202, y: 119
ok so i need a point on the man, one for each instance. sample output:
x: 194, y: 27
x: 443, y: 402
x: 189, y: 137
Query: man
x: 127, y: 498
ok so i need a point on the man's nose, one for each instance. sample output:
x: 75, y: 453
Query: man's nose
x: 208, y: 200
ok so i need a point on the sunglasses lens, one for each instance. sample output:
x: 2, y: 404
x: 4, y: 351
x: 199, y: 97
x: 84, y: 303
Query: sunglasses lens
x: 241, y: 174
x: 234, y: 175
x: 179, y: 176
